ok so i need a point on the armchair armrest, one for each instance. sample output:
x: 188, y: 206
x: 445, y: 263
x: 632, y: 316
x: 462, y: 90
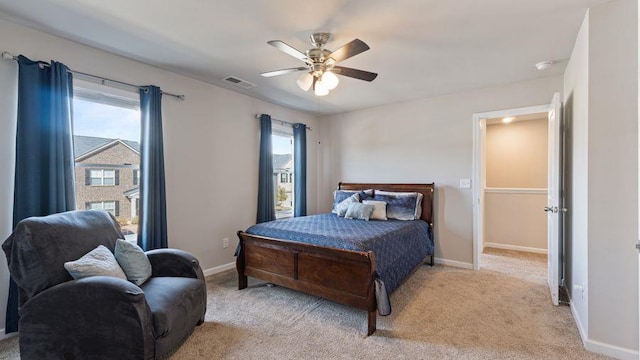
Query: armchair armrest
x: 174, y: 262
x: 75, y: 318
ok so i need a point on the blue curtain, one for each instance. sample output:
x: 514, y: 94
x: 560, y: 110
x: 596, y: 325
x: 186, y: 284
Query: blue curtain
x: 44, y: 173
x: 300, y: 169
x: 266, y: 206
x: 152, y: 233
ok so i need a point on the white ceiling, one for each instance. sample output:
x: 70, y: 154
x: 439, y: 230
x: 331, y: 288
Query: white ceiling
x: 419, y: 48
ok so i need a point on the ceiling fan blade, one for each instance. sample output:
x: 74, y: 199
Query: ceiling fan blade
x: 288, y: 49
x: 354, y: 73
x: 353, y: 48
x: 283, y: 71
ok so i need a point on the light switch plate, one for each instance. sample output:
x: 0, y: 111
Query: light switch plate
x: 465, y: 183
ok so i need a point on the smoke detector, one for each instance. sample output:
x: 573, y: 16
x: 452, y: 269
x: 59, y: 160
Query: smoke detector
x: 544, y: 65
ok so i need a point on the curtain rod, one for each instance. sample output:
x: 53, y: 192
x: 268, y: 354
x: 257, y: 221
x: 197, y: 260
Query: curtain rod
x: 8, y: 56
x: 285, y: 122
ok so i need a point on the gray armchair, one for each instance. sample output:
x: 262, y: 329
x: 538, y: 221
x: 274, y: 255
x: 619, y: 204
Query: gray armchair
x: 98, y: 317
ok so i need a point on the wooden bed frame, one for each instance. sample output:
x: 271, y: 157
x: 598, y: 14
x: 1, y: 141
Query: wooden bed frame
x: 344, y: 276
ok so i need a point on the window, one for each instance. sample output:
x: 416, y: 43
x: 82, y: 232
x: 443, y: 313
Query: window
x: 136, y: 176
x: 282, y: 147
x: 106, y: 142
x: 102, y: 177
x: 110, y: 206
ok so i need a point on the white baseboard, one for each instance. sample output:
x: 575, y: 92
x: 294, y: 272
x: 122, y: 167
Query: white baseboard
x: 458, y: 264
x: 515, y: 247
x: 611, y: 350
x: 219, y: 269
x: 7, y: 336
x: 600, y: 347
x: 576, y: 318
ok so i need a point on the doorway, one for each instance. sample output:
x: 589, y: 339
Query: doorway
x: 516, y: 177
x: 504, y: 189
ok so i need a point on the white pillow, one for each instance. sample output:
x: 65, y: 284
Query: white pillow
x: 97, y: 262
x: 379, y: 211
x: 341, y: 207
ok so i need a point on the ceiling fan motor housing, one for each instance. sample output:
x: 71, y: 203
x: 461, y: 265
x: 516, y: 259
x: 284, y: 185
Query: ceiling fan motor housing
x: 319, y: 39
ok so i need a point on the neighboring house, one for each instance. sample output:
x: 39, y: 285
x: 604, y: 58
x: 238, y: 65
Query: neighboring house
x: 107, y: 175
x: 282, y: 164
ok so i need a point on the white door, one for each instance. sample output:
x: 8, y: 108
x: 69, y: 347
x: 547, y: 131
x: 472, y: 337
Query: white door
x: 554, y: 207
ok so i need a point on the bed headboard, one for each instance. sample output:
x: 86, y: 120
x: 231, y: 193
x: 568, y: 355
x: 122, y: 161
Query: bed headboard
x: 424, y: 189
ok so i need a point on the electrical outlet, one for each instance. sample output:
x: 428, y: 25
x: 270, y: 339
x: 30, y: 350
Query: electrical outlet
x: 578, y: 290
x: 225, y: 243
x: 465, y: 183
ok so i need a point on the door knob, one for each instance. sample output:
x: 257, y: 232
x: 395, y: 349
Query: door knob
x: 553, y: 209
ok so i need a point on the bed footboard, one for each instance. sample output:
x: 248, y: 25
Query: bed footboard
x: 344, y: 276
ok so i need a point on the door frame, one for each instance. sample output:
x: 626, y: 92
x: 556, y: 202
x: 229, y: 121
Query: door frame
x: 479, y: 169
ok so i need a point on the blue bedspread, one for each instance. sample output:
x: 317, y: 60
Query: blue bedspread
x: 399, y: 246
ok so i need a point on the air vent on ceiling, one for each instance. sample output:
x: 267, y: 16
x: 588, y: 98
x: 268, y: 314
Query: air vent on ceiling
x: 239, y: 82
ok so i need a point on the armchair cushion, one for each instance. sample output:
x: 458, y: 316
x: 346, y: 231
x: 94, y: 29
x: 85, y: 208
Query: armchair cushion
x: 176, y: 311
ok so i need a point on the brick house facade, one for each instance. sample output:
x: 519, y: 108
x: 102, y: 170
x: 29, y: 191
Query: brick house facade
x: 107, y: 176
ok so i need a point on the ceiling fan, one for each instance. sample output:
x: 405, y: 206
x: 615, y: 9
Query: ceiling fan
x: 321, y: 69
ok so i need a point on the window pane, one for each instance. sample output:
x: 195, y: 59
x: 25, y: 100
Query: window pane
x: 106, y: 136
x: 282, y: 166
x: 95, y: 206
x: 110, y: 206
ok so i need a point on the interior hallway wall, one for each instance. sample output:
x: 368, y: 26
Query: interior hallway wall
x: 516, y: 185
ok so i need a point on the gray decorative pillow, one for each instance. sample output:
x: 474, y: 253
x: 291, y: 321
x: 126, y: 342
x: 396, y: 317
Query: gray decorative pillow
x: 359, y: 211
x: 341, y: 208
x: 97, y: 262
x: 401, y: 205
x: 380, y: 209
x: 133, y: 261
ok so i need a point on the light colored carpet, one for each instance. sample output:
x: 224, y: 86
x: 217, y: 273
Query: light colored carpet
x: 500, y: 312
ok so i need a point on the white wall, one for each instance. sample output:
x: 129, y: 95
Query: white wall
x: 211, y: 145
x: 613, y: 174
x: 424, y: 140
x: 576, y: 111
x: 601, y: 106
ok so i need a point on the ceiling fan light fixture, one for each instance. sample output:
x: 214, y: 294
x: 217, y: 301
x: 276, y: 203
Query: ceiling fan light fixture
x: 320, y: 89
x: 330, y: 80
x: 320, y: 64
x: 305, y: 81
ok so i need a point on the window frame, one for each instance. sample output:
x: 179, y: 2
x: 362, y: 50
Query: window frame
x: 102, y: 176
